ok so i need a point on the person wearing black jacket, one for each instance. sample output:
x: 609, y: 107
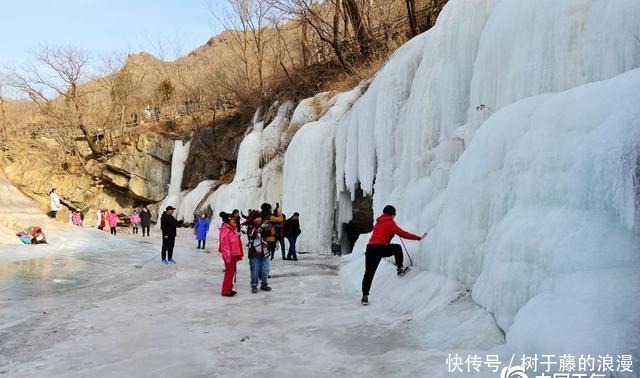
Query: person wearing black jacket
x: 169, y: 226
x: 145, y: 220
x: 292, y: 230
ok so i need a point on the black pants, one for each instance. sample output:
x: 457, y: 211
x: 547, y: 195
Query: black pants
x: 203, y: 243
x: 373, y: 255
x: 167, y: 247
x: 113, y: 230
x: 281, y: 241
x: 145, y: 228
x: 135, y: 230
x: 271, y: 247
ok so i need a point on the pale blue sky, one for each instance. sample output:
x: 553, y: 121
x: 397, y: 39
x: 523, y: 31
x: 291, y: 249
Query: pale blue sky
x: 103, y: 26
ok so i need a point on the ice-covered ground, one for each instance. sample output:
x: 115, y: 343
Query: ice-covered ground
x: 17, y: 212
x: 121, y: 313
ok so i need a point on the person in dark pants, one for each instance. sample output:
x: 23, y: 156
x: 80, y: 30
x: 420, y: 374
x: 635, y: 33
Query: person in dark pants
x: 291, y: 231
x: 269, y: 219
x: 145, y: 220
x: 278, y: 229
x: 169, y: 226
x: 383, y: 231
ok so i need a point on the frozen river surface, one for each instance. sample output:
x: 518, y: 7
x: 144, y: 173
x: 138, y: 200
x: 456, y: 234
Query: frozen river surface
x: 121, y: 313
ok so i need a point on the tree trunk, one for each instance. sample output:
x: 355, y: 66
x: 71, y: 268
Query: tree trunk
x: 304, y: 46
x: 359, y: 28
x: 95, y: 149
x: 411, y: 14
x: 3, y: 118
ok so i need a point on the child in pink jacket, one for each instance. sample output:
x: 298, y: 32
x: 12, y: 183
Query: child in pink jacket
x: 113, y: 221
x: 231, y: 250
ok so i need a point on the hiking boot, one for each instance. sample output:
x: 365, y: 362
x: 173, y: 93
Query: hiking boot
x: 403, y: 271
x: 265, y: 288
x: 172, y: 261
x: 254, y: 290
x: 365, y: 300
x: 165, y: 262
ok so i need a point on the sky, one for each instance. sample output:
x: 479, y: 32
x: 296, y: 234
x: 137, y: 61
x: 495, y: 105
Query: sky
x: 103, y: 27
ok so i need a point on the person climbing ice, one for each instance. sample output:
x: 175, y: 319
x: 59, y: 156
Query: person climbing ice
x: 379, y: 246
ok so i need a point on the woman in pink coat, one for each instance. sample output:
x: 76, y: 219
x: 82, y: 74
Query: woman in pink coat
x: 135, y: 221
x: 113, y: 221
x: 231, y: 250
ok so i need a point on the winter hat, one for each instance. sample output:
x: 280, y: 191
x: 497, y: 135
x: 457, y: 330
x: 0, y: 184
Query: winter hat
x: 225, y: 217
x: 390, y: 210
x: 265, y: 207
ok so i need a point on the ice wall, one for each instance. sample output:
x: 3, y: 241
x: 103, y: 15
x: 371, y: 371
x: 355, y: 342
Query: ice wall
x: 260, y: 165
x: 532, y: 204
x: 309, y: 176
x: 193, y: 200
x: 178, y: 161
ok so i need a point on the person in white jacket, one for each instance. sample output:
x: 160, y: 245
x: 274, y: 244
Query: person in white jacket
x: 55, y: 203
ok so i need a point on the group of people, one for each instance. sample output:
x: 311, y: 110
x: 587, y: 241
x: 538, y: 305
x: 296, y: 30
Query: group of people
x: 265, y: 228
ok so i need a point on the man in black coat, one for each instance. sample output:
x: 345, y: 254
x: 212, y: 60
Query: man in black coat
x: 145, y: 220
x: 292, y: 231
x: 169, y: 226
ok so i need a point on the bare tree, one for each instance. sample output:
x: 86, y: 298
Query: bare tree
x: 315, y: 14
x: 411, y: 14
x: 247, y: 23
x: 54, y: 85
x: 360, y: 29
x: 3, y: 114
x: 123, y: 81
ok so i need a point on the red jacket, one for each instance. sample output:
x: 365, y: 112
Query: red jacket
x: 386, y: 228
x: 230, y: 244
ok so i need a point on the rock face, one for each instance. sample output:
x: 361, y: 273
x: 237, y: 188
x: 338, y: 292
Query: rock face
x: 135, y: 177
x: 142, y: 171
x: 213, y: 152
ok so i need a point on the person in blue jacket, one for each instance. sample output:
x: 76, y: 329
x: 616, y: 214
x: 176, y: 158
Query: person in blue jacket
x: 200, y: 229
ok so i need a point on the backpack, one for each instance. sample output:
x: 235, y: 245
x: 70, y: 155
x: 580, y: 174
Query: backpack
x: 265, y: 230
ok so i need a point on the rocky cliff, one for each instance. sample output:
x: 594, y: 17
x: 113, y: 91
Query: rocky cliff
x: 136, y: 176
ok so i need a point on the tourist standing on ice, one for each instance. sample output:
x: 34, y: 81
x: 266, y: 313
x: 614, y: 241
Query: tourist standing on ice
x: 258, y: 260
x: 55, y: 203
x: 235, y: 214
x: 200, y: 229
x: 145, y: 220
x: 135, y: 221
x: 104, y: 219
x: 269, y: 219
x: 76, y: 218
x: 169, y: 226
x: 231, y: 250
x: 113, y: 222
x: 277, y: 229
x: 291, y: 231
x: 383, y: 231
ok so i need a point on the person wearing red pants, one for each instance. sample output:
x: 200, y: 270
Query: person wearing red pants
x: 231, y: 250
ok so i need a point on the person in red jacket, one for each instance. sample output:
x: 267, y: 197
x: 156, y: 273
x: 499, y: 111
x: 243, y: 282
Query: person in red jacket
x: 231, y: 250
x: 383, y: 231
